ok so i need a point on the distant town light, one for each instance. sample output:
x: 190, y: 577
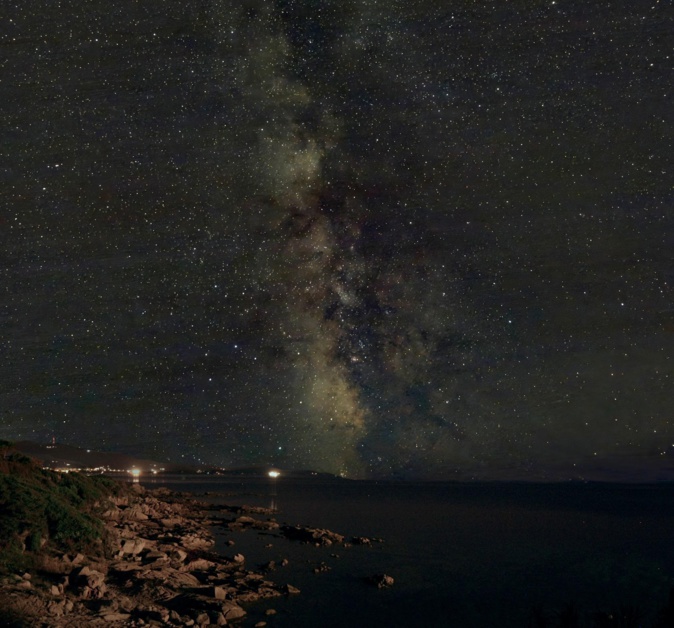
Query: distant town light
x: 274, y: 474
x: 135, y: 473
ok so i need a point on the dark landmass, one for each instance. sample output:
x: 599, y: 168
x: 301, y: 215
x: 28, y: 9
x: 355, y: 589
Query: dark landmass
x: 60, y: 456
x: 263, y: 471
x: 64, y: 457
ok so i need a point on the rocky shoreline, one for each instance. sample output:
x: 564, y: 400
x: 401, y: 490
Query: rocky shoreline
x: 159, y: 569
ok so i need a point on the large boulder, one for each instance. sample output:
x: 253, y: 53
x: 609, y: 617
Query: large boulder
x: 231, y: 610
x: 133, y: 513
x: 133, y: 546
x: 89, y: 583
x: 113, y: 513
x: 195, y: 541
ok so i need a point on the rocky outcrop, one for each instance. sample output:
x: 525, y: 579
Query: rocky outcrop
x: 315, y: 536
x: 159, y: 571
x: 364, y: 540
x: 243, y: 522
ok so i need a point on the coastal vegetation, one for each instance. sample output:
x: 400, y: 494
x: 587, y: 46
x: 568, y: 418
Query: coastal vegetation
x: 77, y: 549
x: 41, y: 510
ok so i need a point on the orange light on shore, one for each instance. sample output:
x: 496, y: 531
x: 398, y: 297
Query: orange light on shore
x: 274, y: 474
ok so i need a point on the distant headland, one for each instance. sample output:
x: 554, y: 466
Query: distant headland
x: 65, y: 458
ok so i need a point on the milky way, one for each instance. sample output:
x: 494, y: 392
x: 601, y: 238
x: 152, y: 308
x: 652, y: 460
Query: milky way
x: 404, y: 240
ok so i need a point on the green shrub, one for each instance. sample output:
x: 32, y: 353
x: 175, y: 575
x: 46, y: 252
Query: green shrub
x: 38, y: 504
x: 34, y: 541
x: 68, y: 526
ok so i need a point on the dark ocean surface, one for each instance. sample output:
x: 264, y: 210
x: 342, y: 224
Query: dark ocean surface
x: 462, y: 554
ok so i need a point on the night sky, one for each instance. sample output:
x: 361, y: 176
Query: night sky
x: 412, y: 239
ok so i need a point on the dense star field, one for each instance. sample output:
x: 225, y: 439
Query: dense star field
x: 410, y: 239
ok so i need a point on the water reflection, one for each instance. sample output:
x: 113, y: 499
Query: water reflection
x: 273, y: 476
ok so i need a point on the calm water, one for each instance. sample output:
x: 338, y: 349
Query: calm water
x: 465, y: 555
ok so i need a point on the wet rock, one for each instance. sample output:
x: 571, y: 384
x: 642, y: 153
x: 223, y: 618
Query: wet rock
x: 231, y: 610
x: 244, y: 521
x: 291, y: 590
x: 257, y: 510
x: 381, y: 581
x: 322, y: 568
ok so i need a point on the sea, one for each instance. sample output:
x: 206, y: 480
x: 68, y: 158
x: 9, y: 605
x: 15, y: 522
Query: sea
x: 461, y: 554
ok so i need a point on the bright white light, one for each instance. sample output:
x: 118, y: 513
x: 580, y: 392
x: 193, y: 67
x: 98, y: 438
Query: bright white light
x: 135, y: 473
x: 274, y: 474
